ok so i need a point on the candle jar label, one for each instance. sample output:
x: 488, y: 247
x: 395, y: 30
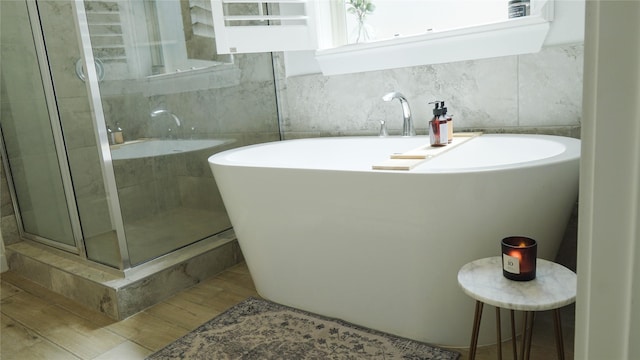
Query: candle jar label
x: 511, y: 264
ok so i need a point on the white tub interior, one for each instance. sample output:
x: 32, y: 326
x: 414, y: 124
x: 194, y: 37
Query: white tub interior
x: 484, y: 152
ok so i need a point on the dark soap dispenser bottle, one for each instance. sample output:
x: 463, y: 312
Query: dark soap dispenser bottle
x: 434, y: 126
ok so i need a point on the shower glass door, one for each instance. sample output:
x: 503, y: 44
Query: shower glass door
x: 156, y: 67
x: 29, y: 127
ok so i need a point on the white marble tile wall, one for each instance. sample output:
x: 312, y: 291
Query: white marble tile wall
x: 528, y: 93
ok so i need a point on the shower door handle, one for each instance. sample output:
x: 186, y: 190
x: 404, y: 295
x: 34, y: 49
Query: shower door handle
x: 99, y: 69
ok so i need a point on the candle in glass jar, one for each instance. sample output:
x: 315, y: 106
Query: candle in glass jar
x: 519, y: 258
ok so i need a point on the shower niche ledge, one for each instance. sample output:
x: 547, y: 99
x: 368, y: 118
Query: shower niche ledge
x: 120, y: 294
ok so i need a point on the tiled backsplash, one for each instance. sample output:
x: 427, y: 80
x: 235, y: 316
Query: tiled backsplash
x: 527, y: 93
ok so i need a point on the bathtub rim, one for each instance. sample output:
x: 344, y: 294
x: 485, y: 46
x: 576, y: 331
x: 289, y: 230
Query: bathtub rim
x: 572, y: 149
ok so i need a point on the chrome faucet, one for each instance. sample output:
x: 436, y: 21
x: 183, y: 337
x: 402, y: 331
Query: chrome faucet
x: 170, y: 134
x: 156, y: 113
x: 407, y: 125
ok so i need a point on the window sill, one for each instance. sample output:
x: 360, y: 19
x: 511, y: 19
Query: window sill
x: 512, y: 37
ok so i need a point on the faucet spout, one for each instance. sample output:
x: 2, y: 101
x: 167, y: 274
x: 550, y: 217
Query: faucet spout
x: 156, y: 113
x: 407, y: 125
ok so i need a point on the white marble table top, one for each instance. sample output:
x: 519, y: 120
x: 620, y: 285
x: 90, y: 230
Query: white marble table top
x: 553, y: 287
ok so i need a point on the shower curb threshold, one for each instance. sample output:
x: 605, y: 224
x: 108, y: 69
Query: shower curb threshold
x: 116, y: 293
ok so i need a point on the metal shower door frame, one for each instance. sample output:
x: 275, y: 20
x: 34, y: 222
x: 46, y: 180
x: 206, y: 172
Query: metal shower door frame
x: 60, y: 148
x: 97, y: 114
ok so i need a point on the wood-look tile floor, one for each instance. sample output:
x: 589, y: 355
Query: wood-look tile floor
x: 39, y: 324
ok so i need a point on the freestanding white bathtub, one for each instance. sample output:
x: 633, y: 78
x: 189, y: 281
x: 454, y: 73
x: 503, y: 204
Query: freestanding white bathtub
x: 322, y: 232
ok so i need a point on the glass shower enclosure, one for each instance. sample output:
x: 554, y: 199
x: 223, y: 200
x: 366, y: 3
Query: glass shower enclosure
x: 33, y: 131
x: 110, y: 110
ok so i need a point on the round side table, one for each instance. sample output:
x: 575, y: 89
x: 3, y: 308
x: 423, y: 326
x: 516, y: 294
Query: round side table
x: 553, y: 288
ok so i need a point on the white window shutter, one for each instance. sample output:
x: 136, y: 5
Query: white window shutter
x: 201, y: 18
x: 249, y: 26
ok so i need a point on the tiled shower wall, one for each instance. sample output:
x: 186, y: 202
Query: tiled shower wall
x: 537, y: 93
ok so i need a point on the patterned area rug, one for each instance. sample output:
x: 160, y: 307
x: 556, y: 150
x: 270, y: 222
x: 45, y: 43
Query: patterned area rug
x: 260, y: 329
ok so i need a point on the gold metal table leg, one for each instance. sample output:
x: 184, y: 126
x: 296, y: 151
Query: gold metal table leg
x: 527, y: 335
x: 476, y: 329
x: 514, y: 342
x: 559, y: 339
x: 499, y: 334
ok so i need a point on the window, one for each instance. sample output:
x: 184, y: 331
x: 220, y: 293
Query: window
x: 392, y: 18
x: 244, y: 26
x: 426, y: 31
